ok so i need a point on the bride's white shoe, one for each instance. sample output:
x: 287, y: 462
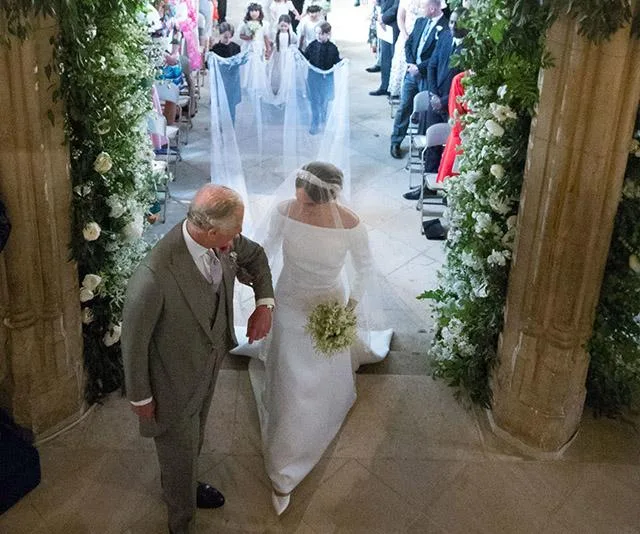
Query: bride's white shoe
x: 280, y: 502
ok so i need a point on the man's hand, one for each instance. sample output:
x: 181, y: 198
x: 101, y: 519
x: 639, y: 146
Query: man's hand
x: 146, y: 411
x: 259, y: 323
x: 436, y: 103
x: 413, y: 69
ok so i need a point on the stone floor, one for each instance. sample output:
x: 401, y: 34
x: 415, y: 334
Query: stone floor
x: 409, y: 457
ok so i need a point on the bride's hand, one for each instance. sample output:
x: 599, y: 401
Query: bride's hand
x: 351, y: 304
x: 259, y: 323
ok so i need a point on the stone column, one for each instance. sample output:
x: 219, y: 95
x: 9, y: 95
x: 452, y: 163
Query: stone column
x: 41, y: 369
x: 577, y: 154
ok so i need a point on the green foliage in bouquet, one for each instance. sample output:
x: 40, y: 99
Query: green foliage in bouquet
x: 332, y: 327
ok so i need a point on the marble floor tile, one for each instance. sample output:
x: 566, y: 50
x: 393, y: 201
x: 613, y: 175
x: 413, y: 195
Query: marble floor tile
x: 603, y: 502
x: 23, y: 518
x: 354, y: 500
x: 390, y: 255
x: 405, y: 417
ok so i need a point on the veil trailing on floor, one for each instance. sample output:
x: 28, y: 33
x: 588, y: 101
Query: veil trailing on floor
x: 261, y: 129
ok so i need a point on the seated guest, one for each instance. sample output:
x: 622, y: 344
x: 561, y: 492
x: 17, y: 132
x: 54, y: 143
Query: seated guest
x: 456, y: 110
x: 440, y: 72
x: 439, y: 81
x: 419, y: 47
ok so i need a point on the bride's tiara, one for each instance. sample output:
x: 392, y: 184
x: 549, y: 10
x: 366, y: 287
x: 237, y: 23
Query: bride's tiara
x: 311, y: 178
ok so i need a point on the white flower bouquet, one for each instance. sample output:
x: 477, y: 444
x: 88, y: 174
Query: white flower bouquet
x: 253, y: 26
x: 332, y: 326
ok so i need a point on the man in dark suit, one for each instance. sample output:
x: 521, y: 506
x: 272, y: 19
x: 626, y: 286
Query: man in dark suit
x: 419, y: 47
x: 388, y: 17
x: 440, y: 74
x: 177, y: 329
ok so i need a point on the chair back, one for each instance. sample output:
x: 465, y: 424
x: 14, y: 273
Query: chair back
x: 421, y: 102
x: 167, y: 91
x: 437, y: 134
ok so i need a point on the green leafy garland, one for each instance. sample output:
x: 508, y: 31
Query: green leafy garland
x: 105, y: 81
x: 505, y: 51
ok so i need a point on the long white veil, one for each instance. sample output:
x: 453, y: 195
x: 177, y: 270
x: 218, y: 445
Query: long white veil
x: 259, y: 136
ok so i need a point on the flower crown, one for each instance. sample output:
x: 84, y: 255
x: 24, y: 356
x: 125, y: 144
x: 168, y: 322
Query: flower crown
x: 312, y: 179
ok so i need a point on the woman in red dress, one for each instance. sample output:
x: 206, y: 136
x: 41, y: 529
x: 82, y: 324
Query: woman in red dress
x: 456, y: 110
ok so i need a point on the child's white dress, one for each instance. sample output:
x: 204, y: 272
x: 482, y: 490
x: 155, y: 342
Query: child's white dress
x: 253, y: 74
x: 276, y: 9
x: 282, y: 66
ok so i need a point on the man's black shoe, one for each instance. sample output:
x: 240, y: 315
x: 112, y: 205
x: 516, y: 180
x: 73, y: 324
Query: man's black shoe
x: 433, y: 230
x: 379, y: 92
x: 396, y: 152
x: 375, y: 68
x: 208, y: 497
x: 414, y: 194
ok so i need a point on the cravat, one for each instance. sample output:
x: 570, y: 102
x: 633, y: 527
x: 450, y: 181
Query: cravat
x: 214, y: 269
x: 423, y: 39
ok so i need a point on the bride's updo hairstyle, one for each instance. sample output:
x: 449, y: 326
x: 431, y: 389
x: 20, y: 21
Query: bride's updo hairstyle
x: 322, y: 182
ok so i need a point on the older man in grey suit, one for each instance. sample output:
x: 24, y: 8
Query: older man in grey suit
x: 177, y: 329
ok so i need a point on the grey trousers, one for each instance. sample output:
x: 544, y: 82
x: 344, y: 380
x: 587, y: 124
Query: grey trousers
x: 178, y: 448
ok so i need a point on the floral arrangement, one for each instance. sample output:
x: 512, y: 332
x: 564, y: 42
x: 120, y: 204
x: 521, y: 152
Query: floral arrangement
x: 106, y: 76
x: 332, y: 326
x: 253, y: 26
x: 502, y: 55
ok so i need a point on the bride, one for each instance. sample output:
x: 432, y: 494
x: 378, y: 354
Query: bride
x: 304, y: 396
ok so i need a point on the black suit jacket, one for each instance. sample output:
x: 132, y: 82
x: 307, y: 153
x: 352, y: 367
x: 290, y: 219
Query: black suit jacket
x: 413, y: 41
x: 439, y: 71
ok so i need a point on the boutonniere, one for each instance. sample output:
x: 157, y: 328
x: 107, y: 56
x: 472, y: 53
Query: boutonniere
x: 241, y: 273
x: 438, y: 30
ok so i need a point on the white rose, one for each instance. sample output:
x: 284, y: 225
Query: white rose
x: 91, y: 231
x: 494, y: 128
x: 133, y: 230
x: 86, y: 294
x: 91, y: 281
x: 103, y: 163
x: 634, y: 263
x: 497, y: 170
x: 87, y: 316
x: 502, y: 90
x: 112, y: 335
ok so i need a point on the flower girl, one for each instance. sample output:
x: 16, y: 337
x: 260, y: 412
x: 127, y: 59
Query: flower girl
x: 255, y: 36
x: 282, y: 59
x: 282, y: 7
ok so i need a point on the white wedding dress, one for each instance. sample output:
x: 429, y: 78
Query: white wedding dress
x: 303, y: 396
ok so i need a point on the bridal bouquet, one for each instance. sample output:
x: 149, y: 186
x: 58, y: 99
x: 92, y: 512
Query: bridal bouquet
x: 252, y: 27
x: 332, y: 327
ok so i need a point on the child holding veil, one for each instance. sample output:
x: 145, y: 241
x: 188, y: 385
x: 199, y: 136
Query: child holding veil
x: 323, y: 55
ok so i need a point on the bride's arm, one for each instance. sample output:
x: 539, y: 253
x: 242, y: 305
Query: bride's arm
x: 362, y: 263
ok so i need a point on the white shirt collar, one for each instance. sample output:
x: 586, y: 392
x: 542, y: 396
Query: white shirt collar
x: 196, y: 250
